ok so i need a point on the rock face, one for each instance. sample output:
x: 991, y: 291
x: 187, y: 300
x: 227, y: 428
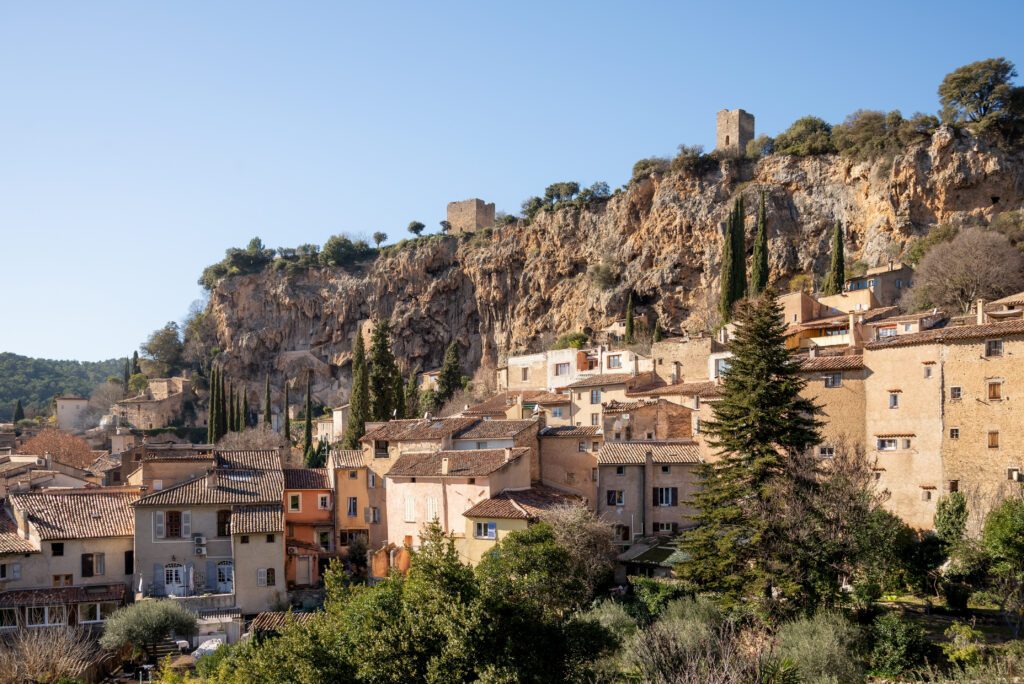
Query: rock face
x: 513, y: 289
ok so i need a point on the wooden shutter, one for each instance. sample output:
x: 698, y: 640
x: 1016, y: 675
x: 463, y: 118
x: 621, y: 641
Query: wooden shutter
x: 675, y: 496
x: 186, y: 524
x: 158, y: 524
x: 86, y: 565
x: 158, y: 578
x: 366, y: 514
x: 261, y: 577
x: 211, y: 575
x: 654, y: 497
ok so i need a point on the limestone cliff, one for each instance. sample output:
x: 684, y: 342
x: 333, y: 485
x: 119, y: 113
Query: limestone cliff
x: 513, y: 288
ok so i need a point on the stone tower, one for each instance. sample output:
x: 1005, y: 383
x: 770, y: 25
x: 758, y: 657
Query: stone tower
x: 735, y: 130
x: 469, y: 215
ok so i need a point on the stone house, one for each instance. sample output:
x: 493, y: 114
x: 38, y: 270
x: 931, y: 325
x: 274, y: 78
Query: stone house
x: 699, y: 397
x: 490, y: 521
x: 350, y: 478
x: 568, y: 459
x: 165, y: 402
x: 71, y: 412
x: 646, y: 419
x: 309, y: 524
x: 683, y: 359
x: 589, y: 393
x: 522, y: 404
x: 557, y: 369
x: 66, y: 556
x: 323, y: 430
x: 886, y: 283
x: 836, y: 384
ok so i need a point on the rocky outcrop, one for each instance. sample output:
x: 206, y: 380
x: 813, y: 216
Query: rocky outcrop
x: 514, y: 288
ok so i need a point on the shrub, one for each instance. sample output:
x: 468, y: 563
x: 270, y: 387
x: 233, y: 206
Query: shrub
x: 692, y: 160
x: 823, y: 648
x: 807, y: 136
x: 943, y: 232
x: 801, y: 282
x: 963, y: 646
x: 651, y: 165
x: 602, y: 276
x: 340, y: 250
x: 532, y: 206
x: 899, y: 645
x: 576, y: 340
x: 761, y: 146
x: 614, y: 617
x: 653, y: 595
x: 145, y: 624
x: 951, y: 517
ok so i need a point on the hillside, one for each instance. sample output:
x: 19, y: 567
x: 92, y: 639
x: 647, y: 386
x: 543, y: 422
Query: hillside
x: 36, y: 381
x: 515, y: 287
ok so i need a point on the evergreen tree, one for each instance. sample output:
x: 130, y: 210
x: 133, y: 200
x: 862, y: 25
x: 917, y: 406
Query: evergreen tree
x: 629, y: 319
x: 836, y: 276
x: 19, y: 411
x: 760, y: 420
x: 267, y: 414
x: 211, y: 419
x: 382, y: 373
x: 135, y: 363
x: 398, y: 385
x: 449, y: 381
x: 245, y: 409
x: 287, y: 415
x: 232, y: 408
x: 759, y: 264
x: 307, y: 434
x: 359, y: 398
x: 727, y: 284
x: 412, y: 396
x: 739, y: 250
x: 657, y: 335
x: 316, y: 457
x: 222, y: 407
x: 127, y: 374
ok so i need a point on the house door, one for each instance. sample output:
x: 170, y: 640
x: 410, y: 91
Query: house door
x: 174, y: 579
x: 302, y: 570
x: 225, y: 577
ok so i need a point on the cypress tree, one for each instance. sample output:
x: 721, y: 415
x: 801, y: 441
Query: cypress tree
x: 287, y: 416
x: 836, y: 276
x: 629, y: 319
x: 245, y: 409
x: 127, y: 374
x: 398, y: 385
x: 359, y: 398
x: 135, y: 363
x: 412, y: 396
x: 231, y: 406
x: 760, y: 420
x: 307, y: 435
x: 382, y: 372
x: 657, y: 336
x: 449, y: 381
x: 727, y: 284
x: 222, y: 407
x: 19, y: 411
x: 739, y: 251
x: 267, y: 415
x: 759, y: 264
x: 211, y: 418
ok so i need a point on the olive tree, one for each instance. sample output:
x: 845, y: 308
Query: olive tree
x: 147, y: 623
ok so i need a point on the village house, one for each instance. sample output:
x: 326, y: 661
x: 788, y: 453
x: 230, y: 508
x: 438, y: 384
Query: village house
x: 164, y: 402
x: 309, y: 524
x: 568, y: 459
x: 157, y: 467
x: 887, y: 283
x: 523, y: 404
x: 323, y: 430
x: 66, y: 556
x: 589, y: 393
x: 71, y: 412
x: 683, y: 359
x: 836, y: 384
x: 351, y: 489
x: 557, y: 369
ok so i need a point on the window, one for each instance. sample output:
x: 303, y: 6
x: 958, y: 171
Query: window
x: 665, y: 528
x: 595, y: 396
x: 620, y: 470
x: 650, y: 435
x: 955, y: 393
x: 353, y: 506
x: 561, y: 369
x: 524, y: 374
x: 906, y: 442
x: 595, y: 418
x: 594, y: 446
x: 374, y: 514
x: 324, y: 538
x: 886, y: 444
x: 10, y: 570
x: 57, y: 549
x: 995, y: 390
x: 894, y: 400
x: 266, y: 577
x: 888, y: 331
x: 616, y: 497
x: 615, y: 361
x: 93, y: 565
x: 666, y: 496
x: 95, y: 612
x: 129, y: 562
x: 954, y: 433
x: 993, y: 439
x: 926, y: 495
x: 621, y: 533
x: 581, y: 447
x: 833, y: 380
x: 45, y: 616
x: 62, y: 580
x: 593, y: 474
x: 158, y: 485
x: 410, y: 509
x: 927, y: 372
x: 721, y: 366
x: 294, y: 502
x: 696, y: 425
x: 485, y: 530
x: 993, y: 348
x: 244, y: 539
x: 666, y: 469
x: 373, y: 480
x: 826, y: 451
x: 323, y: 502
x: 1013, y: 474
x: 270, y: 539
x: 223, y: 523
x: 178, y: 523
x: 353, y: 474
x: 380, y: 449
x: 271, y: 577
x: 8, y: 618
x: 556, y: 412
x: 954, y: 485
x: 432, y: 508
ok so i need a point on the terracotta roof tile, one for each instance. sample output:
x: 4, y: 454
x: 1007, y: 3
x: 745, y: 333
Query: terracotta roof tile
x: 950, y: 334
x: 10, y: 540
x: 524, y: 504
x: 62, y: 595
x: 222, y: 487
x: 275, y: 621
x: 502, y: 401
x: 634, y: 453
x: 705, y: 390
x: 603, y: 379
x: 257, y: 519
x: 832, y: 363
x: 306, y: 478
x: 419, y: 429
x: 249, y: 459
x: 614, y: 406
x: 79, y: 513
x: 571, y: 431
x: 462, y: 463
x: 346, y: 458
x: 497, y: 429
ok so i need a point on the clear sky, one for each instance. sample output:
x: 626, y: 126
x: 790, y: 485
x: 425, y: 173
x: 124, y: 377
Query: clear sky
x: 138, y: 140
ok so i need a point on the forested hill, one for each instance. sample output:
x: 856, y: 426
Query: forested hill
x: 36, y: 381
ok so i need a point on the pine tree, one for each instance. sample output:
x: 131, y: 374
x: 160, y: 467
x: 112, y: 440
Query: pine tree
x: 135, y: 363
x: 449, y: 381
x: 19, y: 411
x: 759, y: 264
x: 629, y: 319
x: 836, y: 276
x: 412, y: 396
x: 739, y: 250
x: 127, y: 374
x: 382, y: 372
x: 267, y: 414
x: 287, y: 415
x: 307, y: 434
x: 359, y: 398
x: 760, y: 420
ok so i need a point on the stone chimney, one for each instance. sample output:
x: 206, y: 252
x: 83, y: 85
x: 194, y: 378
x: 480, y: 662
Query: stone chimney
x: 444, y: 465
x: 211, y: 479
x: 853, y: 329
x: 508, y: 454
x: 980, y: 311
x: 812, y: 352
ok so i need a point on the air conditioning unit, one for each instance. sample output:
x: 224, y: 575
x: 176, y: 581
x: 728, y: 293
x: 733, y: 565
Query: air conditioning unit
x: 40, y: 461
x: 200, y: 550
x: 200, y: 540
x: 292, y: 550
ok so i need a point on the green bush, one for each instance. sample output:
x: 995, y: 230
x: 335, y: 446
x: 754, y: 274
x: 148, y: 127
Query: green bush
x: 963, y: 647
x: 340, y: 250
x: 576, y: 340
x: 653, y: 595
x: 602, y: 276
x: 823, y: 648
x: 145, y: 624
x: 807, y: 136
x: 645, y: 167
x: 951, y: 517
x: 943, y: 232
x: 761, y: 146
x: 692, y: 160
x: 899, y: 645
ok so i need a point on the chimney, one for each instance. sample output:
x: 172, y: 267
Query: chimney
x: 444, y: 465
x: 211, y: 479
x: 890, y: 264
x: 812, y: 352
x: 980, y: 306
x: 853, y: 330
x: 508, y: 454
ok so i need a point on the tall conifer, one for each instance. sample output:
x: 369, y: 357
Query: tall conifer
x: 245, y: 408
x: 359, y: 398
x: 836, y: 276
x: 307, y: 434
x: 759, y: 263
x: 630, y: 332
x: 267, y: 414
x: 222, y: 406
x: 739, y: 251
x: 382, y: 371
x: 211, y: 418
x: 287, y: 415
x: 449, y: 381
x: 412, y: 396
x: 727, y: 284
x: 135, y: 363
x: 127, y: 375
x: 19, y: 411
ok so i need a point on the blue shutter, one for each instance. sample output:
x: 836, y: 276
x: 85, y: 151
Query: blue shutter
x: 158, y: 578
x: 211, y: 575
x: 188, y: 572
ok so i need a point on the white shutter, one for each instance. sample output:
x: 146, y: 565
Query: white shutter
x: 99, y: 564
x: 261, y: 577
x: 158, y: 524
x: 431, y: 507
x: 16, y: 571
x: 186, y: 524
x: 410, y: 509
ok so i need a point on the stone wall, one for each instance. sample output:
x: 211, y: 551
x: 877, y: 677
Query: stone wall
x: 734, y: 130
x: 469, y: 215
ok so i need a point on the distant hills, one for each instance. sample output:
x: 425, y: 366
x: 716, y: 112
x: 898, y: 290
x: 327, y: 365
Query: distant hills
x: 37, y: 381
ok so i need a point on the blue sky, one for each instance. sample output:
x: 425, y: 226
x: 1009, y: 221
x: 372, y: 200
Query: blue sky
x: 139, y: 140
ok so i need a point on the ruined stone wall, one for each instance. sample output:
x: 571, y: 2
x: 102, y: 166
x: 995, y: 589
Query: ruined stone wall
x: 469, y: 215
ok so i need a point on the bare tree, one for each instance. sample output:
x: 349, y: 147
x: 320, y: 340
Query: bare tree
x: 976, y: 264
x: 588, y: 539
x: 45, y: 655
x: 259, y: 437
x: 62, y: 446
x: 101, y: 399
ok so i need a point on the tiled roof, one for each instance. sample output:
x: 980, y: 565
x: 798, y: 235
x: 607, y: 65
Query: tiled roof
x: 832, y: 363
x: 79, y: 513
x: 463, y: 463
x: 222, y: 487
x: 1010, y: 300
x: 496, y: 429
x: 249, y: 459
x: 525, y: 504
x: 346, y: 458
x: 62, y: 595
x: 602, y: 379
x: 306, y: 478
x: 501, y: 401
x: 630, y: 453
x: 10, y: 540
x: 104, y: 463
x: 419, y: 429
x: 950, y: 334
x: 614, y: 406
x: 275, y: 621
x: 257, y: 519
x: 705, y: 390
x: 571, y: 431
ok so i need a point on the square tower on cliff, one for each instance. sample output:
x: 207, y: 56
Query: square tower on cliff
x: 469, y: 215
x: 735, y: 130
